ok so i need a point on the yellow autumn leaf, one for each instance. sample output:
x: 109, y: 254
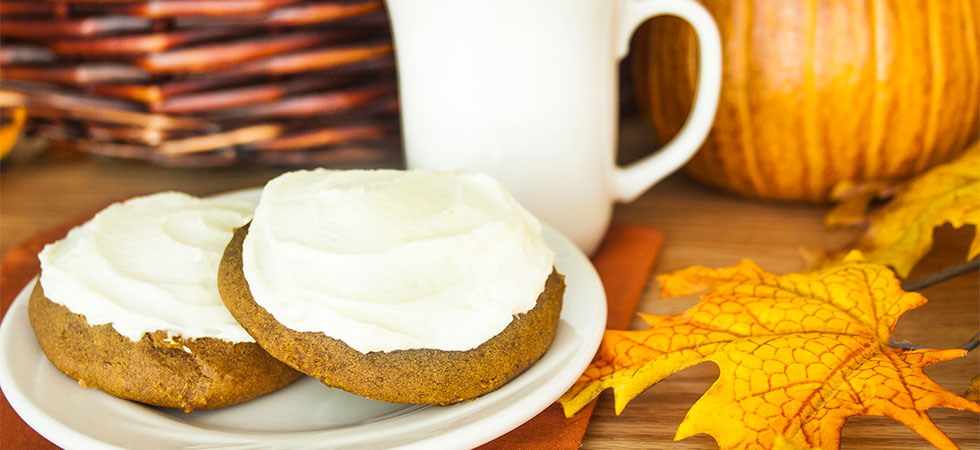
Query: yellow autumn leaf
x: 798, y: 354
x: 973, y: 392
x: 11, y: 131
x: 900, y: 233
x: 853, y: 199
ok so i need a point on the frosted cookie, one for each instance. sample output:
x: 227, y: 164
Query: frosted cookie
x: 410, y: 287
x: 128, y: 303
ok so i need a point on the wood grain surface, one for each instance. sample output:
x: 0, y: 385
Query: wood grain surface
x: 701, y: 226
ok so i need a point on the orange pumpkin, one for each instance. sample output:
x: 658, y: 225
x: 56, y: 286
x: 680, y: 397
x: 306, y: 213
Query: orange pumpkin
x: 814, y: 92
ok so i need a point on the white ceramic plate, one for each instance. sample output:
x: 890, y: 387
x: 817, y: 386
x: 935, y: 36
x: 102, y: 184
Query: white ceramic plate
x: 305, y: 414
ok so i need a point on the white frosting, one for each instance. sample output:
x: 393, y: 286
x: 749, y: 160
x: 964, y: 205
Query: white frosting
x: 148, y: 264
x: 390, y: 260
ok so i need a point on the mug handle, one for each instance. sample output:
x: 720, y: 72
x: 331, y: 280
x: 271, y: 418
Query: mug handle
x: 632, y: 180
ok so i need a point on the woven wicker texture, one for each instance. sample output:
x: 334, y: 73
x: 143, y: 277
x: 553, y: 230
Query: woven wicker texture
x: 204, y: 82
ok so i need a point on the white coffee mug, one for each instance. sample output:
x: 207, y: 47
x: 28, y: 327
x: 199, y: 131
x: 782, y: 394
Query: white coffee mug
x: 526, y: 91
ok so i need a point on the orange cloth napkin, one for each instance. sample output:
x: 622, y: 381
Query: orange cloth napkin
x: 17, y: 268
x: 624, y: 263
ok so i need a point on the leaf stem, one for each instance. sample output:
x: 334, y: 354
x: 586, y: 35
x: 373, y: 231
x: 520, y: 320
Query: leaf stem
x: 905, y: 345
x: 972, y: 344
x: 933, y: 279
x: 942, y: 275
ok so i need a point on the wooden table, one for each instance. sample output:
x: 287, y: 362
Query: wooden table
x: 701, y: 226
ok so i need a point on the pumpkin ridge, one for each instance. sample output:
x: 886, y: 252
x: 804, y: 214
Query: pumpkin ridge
x: 707, y: 166
x: 907, y: 111
x: 872, y: 155
x: 703, y: 166
x: 752, y: 167
x: 969, y: 125
x: 936, y: 75
x: 816, y: 165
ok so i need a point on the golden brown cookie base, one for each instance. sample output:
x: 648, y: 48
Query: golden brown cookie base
x: 424, y: 376
x: 155, y: 370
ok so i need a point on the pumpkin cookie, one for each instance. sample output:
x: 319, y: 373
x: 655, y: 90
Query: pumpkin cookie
x: 409, y: 287
x: 128, y: 303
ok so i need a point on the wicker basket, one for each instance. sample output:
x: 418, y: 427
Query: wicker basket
x: 204, y: 83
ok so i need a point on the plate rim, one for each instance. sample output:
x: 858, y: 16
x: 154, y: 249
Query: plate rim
x: 61, y: 434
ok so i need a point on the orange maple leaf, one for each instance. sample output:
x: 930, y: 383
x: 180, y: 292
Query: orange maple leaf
x: 798, y: 354
x: 899, y: 234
